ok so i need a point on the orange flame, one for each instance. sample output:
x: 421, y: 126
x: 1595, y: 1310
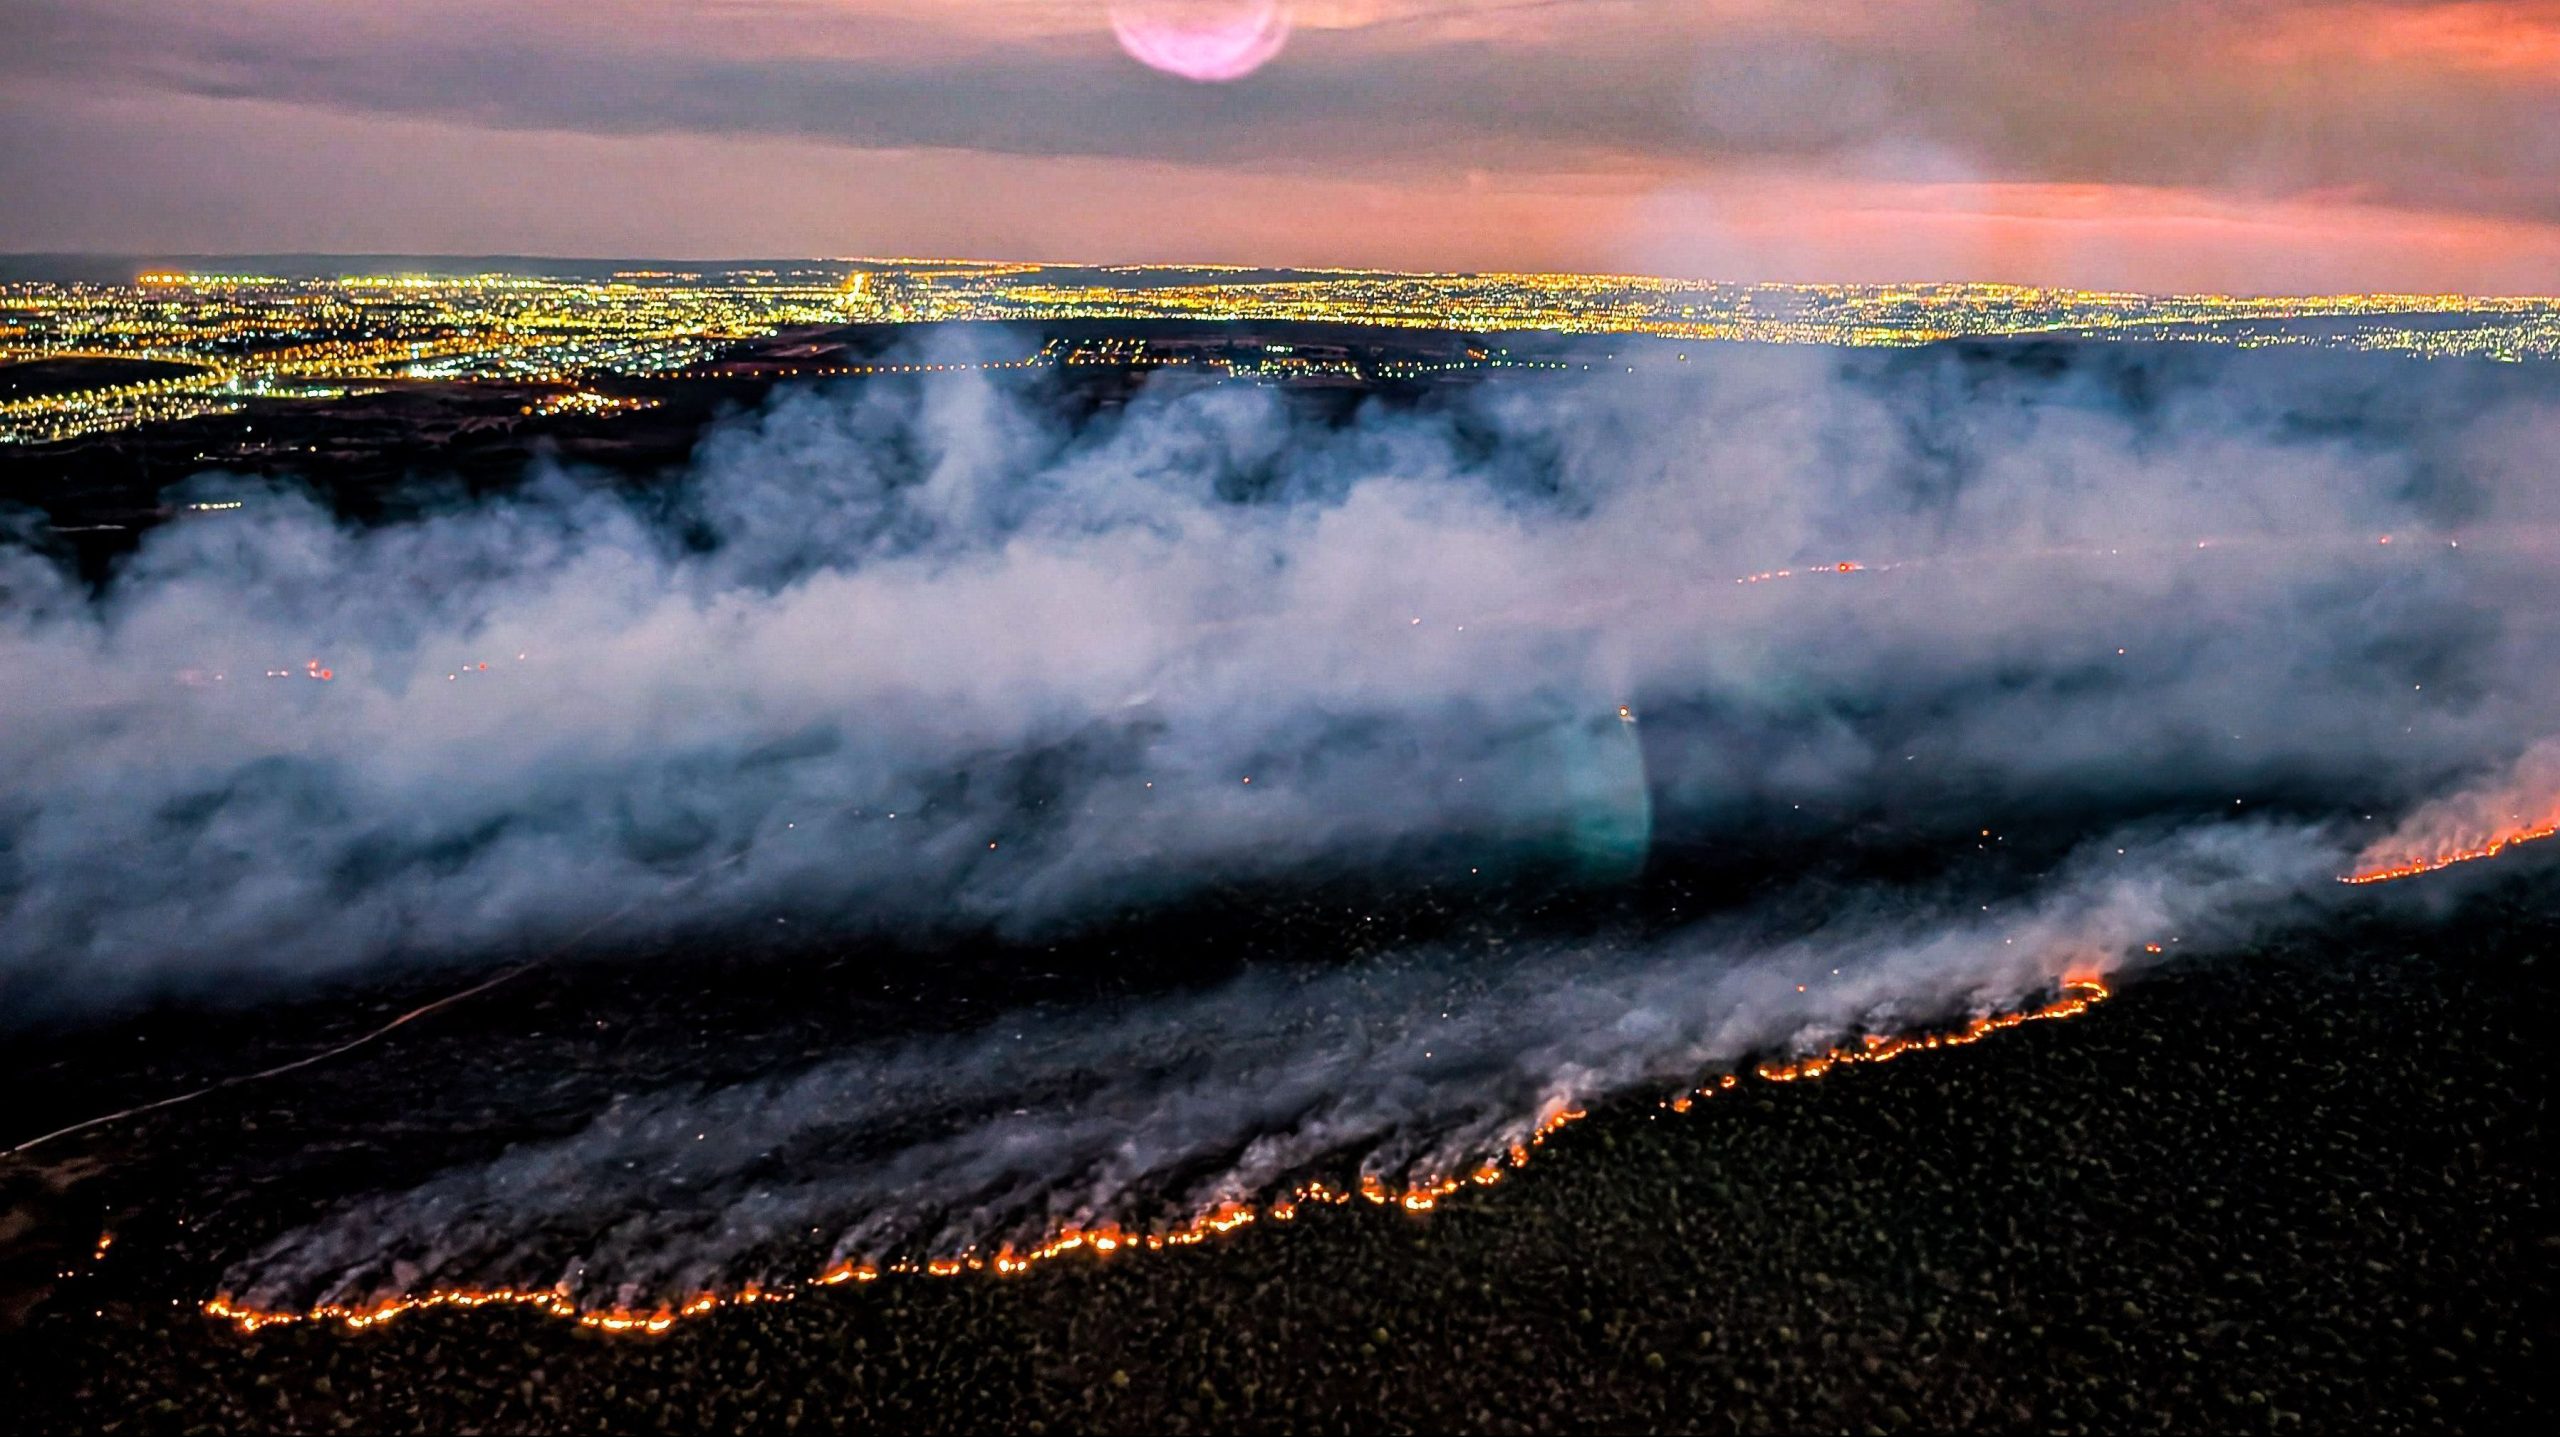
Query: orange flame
x: 2471, y: 826
x: 2491, y: 848
x: 2079, y: 995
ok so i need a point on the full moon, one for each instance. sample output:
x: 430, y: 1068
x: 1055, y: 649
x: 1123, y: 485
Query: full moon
x: 1204, y: 40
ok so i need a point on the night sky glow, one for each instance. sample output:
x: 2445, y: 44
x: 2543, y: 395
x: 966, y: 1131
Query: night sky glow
x: 2294, y: 146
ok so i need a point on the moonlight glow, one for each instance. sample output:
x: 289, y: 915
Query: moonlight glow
x: 1204, y: 40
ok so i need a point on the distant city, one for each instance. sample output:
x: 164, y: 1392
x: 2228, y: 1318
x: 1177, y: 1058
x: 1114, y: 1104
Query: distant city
x: 83, y: 356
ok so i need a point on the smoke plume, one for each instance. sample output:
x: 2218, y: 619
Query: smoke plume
x: 1405, y: 1071
x: 1056, y: 650
x: 950, y: 655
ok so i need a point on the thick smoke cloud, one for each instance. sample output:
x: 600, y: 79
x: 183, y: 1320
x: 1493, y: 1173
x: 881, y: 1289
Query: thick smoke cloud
x: 945, y: 656
x: 1055, y: 651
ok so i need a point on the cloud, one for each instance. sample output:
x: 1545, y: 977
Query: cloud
x: 1055, y: 652
x: 2252, y: 99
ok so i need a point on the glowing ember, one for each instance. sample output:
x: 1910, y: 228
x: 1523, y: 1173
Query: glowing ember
x: 1421, y: 1195
x: 1205, y: 40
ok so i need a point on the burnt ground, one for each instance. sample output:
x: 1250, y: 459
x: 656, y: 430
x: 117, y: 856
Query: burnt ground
x: 2302, y: 1190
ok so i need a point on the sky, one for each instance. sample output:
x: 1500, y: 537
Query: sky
x: 2190, y: 145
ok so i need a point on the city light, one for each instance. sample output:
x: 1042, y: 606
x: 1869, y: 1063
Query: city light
x: 218, y: 342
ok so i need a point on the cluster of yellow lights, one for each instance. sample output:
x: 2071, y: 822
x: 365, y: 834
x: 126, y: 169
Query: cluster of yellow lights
x: 587, y: 401
x: 2078, y: 996
x: 228, y: 327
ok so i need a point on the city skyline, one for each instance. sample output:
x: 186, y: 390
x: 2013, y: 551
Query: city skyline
x: 179, y: 345
x: 2268, y: 147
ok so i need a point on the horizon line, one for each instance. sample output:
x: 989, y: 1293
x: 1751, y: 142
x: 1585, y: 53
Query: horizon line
x: 891, y: 261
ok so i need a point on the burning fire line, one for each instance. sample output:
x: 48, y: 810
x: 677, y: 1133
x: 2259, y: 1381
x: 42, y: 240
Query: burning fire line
x: 2078, y: 996
x: 2411, y: 868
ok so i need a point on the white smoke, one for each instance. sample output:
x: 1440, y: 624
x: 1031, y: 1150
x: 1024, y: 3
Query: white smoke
x: 934, y: 656
x: 1411, y: 1068
x: 1385, y: 624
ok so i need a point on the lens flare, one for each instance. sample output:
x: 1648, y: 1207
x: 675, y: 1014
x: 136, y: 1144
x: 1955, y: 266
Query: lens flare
x: 1205, y: 40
